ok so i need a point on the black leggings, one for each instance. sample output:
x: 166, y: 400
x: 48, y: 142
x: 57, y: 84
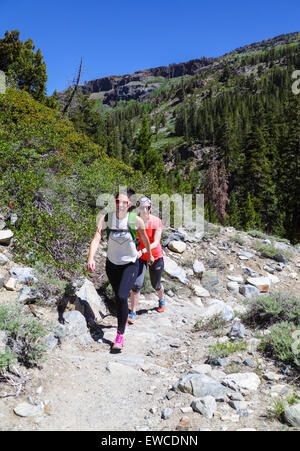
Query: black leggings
x: 155, y: 272
x: 122, y: 278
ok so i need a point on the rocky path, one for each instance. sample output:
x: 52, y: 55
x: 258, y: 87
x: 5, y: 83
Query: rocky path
x: 161, y: 380
x: 88, y: 388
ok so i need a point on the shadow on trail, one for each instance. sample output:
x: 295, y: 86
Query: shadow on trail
x: 146, y: 311
x: 97, y: 333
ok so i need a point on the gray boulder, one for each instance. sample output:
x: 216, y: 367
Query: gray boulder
x: 50, y: 342
x: 249, y: 291
x: 201, y: 385
x: 23, y: 275
x: 29, y: 294
x: 89, y: 303
x: 75, y: 325
x: 280, y: 258
x: 291, y: 415
x: 175, y: 271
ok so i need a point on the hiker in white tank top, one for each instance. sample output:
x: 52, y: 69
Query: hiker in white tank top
x: 121, y: 263
x: 121, y: 246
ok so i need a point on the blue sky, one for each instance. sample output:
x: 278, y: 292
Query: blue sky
x: 119, y: 37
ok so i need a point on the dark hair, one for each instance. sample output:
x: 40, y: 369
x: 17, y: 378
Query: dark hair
x: 130, y: 193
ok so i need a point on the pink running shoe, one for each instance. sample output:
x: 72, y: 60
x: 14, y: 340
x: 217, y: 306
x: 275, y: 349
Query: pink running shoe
x: 119, y: 343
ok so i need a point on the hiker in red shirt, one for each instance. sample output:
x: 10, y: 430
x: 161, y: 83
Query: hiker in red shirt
x: 153, y: 227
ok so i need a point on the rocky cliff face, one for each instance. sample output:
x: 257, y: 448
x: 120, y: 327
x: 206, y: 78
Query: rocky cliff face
x: 141, y: 84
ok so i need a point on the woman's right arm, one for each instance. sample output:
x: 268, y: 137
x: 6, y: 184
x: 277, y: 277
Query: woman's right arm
x: 94, y: 245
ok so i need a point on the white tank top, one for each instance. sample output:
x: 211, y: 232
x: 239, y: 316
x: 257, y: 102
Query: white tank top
x: 121, y: 246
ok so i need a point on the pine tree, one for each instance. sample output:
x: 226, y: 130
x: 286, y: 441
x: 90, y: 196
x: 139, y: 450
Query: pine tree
x: 251, y: 218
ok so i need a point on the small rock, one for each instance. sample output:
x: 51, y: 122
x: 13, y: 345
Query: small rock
x: 170, y: 394
x: 269, y: 269
x: 238, y: 405
x: 166, y: 413
x: 217, y: 361
x: 242, y: 381
x: 270, y: 376
x: 200, y: 291
x: 5, y: 236
x: 236, y: 397
x: 11, y: 284
x: 233, y: 287
x: 25, y: 409
x: 186, y: 409
x: 198, y: 268
x: 184, y: 424
x: 13, y: 218
x: 3, y: 259
x: 261, y: 283
x: 206, y: 406
x: 237, y: 330
x: 243, y: 257
x: 249, y: 362
x: 177, y: 246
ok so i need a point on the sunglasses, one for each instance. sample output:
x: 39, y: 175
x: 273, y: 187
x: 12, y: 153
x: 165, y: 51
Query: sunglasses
x: 145, y: 207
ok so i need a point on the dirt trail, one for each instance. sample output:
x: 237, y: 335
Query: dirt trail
x: 91, y: 389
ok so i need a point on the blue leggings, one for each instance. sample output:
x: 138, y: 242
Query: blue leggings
x: 122, y: 278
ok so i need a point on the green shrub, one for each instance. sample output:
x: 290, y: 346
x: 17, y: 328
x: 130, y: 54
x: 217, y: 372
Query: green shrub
x: 275, y: 412
x: 269, y: 250
x: 273, y: 308
x: 7, y: 359
x: 24, y: 334
x: 51, y: 176
x: 237, y: 239
x: 278, y: 345
x: 214, y: 324
x: 225, y: 349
